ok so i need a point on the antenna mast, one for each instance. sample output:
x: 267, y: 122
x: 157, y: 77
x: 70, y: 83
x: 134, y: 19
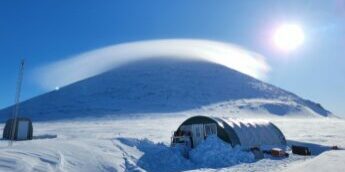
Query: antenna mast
x: 17, y: 98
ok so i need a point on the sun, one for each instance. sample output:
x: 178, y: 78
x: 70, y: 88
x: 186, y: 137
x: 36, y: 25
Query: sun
x: 288, y: 37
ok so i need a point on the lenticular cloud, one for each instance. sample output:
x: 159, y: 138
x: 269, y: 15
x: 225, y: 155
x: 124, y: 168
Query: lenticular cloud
x: 97, y: 61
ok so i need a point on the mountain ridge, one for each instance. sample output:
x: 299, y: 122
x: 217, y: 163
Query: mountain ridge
x: 159, y: 85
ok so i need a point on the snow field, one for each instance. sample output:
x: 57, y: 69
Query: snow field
x: 142, y: 144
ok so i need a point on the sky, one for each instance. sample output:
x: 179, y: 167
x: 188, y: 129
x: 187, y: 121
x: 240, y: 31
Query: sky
x: 44, y: 32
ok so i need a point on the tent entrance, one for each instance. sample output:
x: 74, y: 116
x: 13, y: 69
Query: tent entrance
x: 23, y: 129
x: 199, y: 132
x: 196, y: 133
x: 210, y: 129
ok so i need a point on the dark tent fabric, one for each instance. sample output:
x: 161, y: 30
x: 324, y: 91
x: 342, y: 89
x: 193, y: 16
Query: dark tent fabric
x: 28, y: 129
x: 246, y: 133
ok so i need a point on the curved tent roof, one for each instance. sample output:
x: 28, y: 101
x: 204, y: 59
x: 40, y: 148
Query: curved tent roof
x: 247, y: 133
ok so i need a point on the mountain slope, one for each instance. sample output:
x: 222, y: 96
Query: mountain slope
x: 164, y: 85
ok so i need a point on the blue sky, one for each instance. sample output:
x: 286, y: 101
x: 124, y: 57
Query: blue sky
x: 46, y: 31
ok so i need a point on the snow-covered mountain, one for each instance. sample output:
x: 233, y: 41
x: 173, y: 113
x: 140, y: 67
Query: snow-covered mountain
x: 160, y: 85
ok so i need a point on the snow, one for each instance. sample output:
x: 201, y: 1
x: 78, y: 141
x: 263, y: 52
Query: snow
x: 146, y: 155
x: 142, y: 144
x: 45, y: 155
x: 214, y: 153
x: 328, y: 161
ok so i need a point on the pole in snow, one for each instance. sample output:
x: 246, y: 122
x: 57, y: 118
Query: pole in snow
x: 16, y: 101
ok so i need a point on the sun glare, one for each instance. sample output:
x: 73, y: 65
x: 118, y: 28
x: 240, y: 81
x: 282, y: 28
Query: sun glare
x: 288, y: 37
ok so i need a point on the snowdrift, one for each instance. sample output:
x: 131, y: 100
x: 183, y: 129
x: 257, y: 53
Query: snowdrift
x: 163, y: 86
x: 156, y: 157
x: 214, y: 153
x: 328, y: 161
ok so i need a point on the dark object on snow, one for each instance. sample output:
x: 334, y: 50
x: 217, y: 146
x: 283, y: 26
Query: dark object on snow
x: 23, y: 129
x: 258, y: 154
x: 277, y: 152
x: 335, y: 147
x: 45, y: 136
x: 300, y: 150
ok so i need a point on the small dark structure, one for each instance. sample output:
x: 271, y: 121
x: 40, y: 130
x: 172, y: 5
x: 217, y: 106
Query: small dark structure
x: 23, y: 129
x: 300, y: 150
x: 245, y: 133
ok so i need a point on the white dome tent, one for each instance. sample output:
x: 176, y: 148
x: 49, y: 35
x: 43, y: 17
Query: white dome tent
x: 244, y: 133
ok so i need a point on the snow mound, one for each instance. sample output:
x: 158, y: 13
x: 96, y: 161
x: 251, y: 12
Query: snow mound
x: 328, y: 161
x: 212, y: 153
x: 153, y: 157
x: 215, y: 153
